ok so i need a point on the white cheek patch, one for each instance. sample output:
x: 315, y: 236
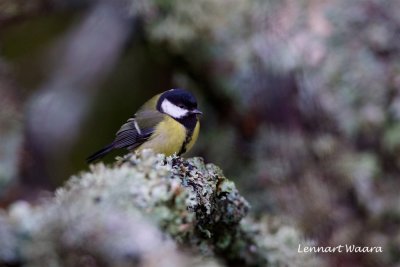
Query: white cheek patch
x: 173, y: 110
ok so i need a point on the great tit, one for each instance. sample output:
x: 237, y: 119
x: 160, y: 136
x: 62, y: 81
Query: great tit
x: 168, y: 123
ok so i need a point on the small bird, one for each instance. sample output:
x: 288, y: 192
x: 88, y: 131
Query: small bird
x: 168, y: 123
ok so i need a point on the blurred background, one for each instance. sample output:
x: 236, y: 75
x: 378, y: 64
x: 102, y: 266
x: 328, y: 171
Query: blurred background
x: 301, y: 101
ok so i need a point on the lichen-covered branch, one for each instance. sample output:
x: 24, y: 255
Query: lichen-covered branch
x: 146, y: 210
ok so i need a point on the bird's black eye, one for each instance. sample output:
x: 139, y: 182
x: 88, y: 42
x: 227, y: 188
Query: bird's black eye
x: 181, y: 106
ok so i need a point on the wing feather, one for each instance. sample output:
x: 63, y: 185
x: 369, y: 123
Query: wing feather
x: 137, y: 129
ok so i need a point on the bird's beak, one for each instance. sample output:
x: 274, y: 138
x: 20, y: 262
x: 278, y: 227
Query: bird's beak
x: 196, y: 111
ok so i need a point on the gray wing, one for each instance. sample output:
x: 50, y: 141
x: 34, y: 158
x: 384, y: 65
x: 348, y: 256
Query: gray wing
x: 137, y: 129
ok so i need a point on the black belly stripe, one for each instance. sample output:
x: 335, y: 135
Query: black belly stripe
x: 189, y: 134
x: 190, y: 123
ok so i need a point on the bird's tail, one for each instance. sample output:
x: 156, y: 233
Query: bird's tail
x: 101, y: 153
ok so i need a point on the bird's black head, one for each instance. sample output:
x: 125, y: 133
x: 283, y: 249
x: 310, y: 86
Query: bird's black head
x: 178, y: 103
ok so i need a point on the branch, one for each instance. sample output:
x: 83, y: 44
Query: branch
x: 113, y: 216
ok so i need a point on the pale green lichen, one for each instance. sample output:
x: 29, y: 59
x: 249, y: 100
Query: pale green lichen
x: 112, y: 216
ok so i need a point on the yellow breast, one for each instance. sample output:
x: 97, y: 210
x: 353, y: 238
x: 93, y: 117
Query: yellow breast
x: 167, y: 138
